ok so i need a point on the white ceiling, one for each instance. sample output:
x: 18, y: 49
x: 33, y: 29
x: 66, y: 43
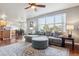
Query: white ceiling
x: 12, y: 10
x: 51, y: 7
x: 16, y: 10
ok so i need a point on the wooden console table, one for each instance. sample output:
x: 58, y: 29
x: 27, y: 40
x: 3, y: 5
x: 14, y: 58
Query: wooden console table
x: 67, y: 38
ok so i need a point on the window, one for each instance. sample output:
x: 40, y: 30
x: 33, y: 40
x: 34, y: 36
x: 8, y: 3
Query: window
x: 40, y: 27
x: 58, y: 18
x: 49, y: 20
x: 54, y: 21
x: 41, y: 21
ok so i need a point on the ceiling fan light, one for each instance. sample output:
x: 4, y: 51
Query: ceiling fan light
x: 33, y: 7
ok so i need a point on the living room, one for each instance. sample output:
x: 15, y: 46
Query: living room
x: 39, y: 29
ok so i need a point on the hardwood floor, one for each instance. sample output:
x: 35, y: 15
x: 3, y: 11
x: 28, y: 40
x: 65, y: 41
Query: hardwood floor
x: 75, y: 51
x: 72, y: 52
x: 9, y: 41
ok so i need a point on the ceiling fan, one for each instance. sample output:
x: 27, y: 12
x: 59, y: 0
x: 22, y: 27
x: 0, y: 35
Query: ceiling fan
x: 34, y: 6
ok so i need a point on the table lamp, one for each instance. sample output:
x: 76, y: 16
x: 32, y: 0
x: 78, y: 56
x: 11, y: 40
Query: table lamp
x: 70, y: 28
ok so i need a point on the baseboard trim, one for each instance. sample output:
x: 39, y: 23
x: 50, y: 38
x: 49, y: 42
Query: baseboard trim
x: 74, y: 43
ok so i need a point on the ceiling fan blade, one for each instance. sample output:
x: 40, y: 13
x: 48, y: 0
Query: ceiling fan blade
x: 28, y: 7
x: 31, y: 3
x: 40, y: 6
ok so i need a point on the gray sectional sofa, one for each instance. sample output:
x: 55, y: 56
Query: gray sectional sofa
x: 28, y: 38
x: 55, y: 41
x: 52, y: 40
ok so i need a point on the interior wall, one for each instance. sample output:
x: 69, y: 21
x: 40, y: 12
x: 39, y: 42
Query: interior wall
x: 72, y: 16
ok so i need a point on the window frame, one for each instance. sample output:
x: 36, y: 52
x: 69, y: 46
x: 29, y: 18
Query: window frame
x: 63, y: 15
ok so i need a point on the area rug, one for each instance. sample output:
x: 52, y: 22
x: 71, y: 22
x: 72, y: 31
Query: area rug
x: 15, y: 49
x: 25, y: 49
x: 50, y: 51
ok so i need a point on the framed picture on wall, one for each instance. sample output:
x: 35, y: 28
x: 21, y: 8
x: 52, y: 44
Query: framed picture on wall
x: 31, y: 23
